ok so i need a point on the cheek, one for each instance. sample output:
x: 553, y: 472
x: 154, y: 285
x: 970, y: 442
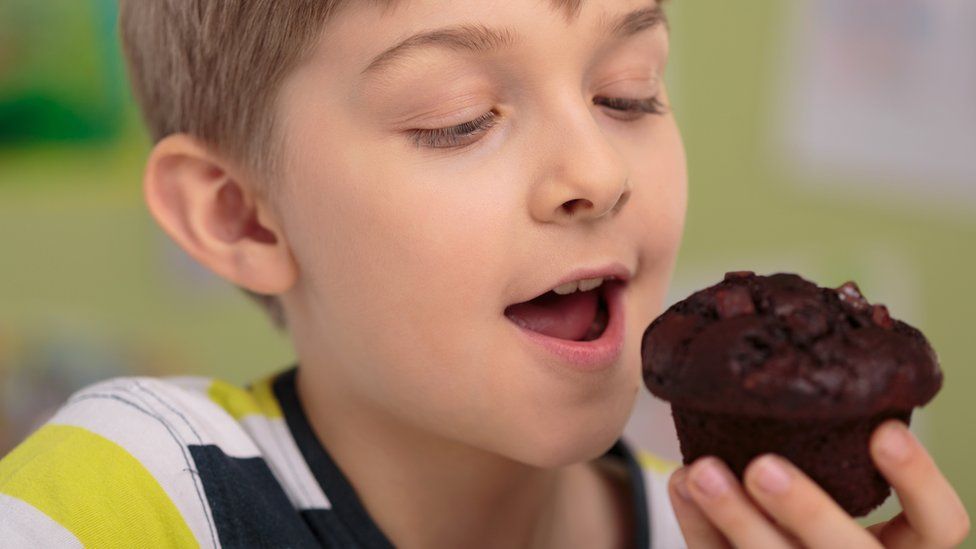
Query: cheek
x: 399, y: 258
x: 404, y: 275
x: 660, y: 196
x: 657, y: 221
x: 660, y: 211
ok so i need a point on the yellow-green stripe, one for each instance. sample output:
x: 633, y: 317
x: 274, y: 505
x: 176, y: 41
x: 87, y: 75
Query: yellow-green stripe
x: 93, y: 488
x: 655, y: 463
x: 265, y: 398
x: 240, y: 402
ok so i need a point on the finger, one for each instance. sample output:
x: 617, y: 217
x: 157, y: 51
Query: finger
x: 722, y: 499
x: 801, y: 507
x: 875, y: 529
x: 932, y: 509
x: 695, y: 526
x: 898, y: 534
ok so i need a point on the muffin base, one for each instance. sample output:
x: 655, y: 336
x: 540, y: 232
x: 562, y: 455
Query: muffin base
x: 833, y: 453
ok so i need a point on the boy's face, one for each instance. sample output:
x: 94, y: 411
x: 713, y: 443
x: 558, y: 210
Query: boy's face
x: 410, y: 251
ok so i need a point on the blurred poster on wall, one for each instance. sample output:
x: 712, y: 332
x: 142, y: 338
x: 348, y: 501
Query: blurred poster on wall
x: 882, y: 92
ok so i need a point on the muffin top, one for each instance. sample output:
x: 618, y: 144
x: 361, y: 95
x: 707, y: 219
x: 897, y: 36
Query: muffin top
x: 781, y: 346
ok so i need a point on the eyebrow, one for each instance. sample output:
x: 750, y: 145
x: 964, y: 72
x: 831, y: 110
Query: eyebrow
x: 480, y: 39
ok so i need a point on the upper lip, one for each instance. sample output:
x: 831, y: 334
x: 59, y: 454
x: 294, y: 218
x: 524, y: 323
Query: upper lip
x: 615, y: 270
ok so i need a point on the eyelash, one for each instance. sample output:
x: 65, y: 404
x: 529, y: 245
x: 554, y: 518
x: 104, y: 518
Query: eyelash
x: 458, y: 136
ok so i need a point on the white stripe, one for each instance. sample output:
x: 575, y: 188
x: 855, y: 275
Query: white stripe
x: 210, y: 422
x: 24, y: 526
x: 194, y: 384
x: 113, y: 411
x: 195, y: 418
x: 286, y: 462
x: 665, y: 532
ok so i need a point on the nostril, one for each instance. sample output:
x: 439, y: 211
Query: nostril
x: 570, y: 206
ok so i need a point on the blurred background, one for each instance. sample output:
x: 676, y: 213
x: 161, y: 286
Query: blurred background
x: 832, y: 138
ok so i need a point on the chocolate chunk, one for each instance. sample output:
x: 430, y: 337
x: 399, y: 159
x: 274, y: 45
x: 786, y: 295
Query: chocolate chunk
x: 880, y: 316
x: 807, y: 324
x: 831, y: 381
x: 851, y: 294
x: 738, y: 274
x: 734, y: 301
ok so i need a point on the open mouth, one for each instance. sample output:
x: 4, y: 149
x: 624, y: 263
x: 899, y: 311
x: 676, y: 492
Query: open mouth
x: 578, y: 316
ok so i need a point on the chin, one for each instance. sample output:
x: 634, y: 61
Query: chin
x: 566, y: 444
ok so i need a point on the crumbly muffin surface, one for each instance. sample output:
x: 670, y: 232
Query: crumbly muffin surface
x: 782, y: 346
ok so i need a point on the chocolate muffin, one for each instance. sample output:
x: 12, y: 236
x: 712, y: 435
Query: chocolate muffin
x: 758, y: 364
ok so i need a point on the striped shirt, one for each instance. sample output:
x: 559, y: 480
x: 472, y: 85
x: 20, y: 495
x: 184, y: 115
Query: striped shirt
x: 193, y: 461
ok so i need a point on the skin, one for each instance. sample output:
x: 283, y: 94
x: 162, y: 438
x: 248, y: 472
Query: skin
x: 395, y: 261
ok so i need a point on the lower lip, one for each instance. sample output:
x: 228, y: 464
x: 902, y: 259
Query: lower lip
x: 589, y: 356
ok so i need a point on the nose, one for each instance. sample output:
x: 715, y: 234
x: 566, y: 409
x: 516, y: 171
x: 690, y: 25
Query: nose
x: 585, y: 178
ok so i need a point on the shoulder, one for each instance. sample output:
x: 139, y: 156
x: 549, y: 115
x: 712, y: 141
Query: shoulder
x: 119, y: 453
x: 664, y: 529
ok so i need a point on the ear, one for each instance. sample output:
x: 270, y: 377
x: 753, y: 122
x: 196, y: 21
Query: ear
x: 206, y: 206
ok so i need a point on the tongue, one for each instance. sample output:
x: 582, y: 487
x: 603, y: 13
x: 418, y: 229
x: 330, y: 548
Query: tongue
x: 562, y: 316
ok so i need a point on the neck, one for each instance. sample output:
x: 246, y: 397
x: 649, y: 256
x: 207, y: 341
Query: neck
x: 404, y: 477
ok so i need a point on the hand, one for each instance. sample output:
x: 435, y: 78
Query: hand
x: 779, y: 506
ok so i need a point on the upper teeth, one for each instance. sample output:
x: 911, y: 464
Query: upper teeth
x: 584, y: 285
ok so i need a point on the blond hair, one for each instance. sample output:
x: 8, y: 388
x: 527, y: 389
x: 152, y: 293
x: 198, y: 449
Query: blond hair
x: 212, y: 69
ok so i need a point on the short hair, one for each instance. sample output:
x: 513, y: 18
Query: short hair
x: 213, y: 68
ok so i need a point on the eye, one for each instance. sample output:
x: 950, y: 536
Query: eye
x: 632, y: 109
x: 459, y: 136
x: 454, y: 136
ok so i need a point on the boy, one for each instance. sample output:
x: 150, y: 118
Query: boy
x: 465, y: 213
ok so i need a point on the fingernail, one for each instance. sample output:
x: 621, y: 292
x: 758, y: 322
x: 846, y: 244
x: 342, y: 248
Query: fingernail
x: 710, y: 480
x: 771, y: 476
x: 680, y: 484
x: 895, y: 443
